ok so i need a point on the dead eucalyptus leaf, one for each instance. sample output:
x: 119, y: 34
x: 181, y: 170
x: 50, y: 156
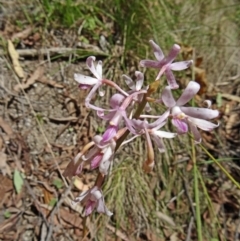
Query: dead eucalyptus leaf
x: 165, y: 218
x: 6, y: 127
x: 37, y: 74
x: 3, y: 164
x: 23, y: 34
x: 231, y: 97
x: 14, y: 56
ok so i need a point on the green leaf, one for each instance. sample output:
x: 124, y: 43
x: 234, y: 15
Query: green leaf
x: 58, y: 183
x: 219, y: 100
x: 7, y: 214
x: 52, y: 202
x: 18, y: 181
x: 100, y: 129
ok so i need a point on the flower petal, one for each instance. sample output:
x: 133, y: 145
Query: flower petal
x: 149, y: 63
x: 191, y: 90
x: 95, y: 162
x: 181, y: 65
x: 101, y: 208
x: 172, y: 54
x: 164, y: 134
x: 101, y: 91
x: 106, y: 160
x: 84, y: 87
x: 99, y: 69
x: 201, y: 113
x: 181, y: 125
x: 171, y: 79
x: 91, y: 66
x: 167, y: 97
x: 159, y: 142
x: 109, y: 133
x: 208, y: 103
x: 90, y: 154
x: 90, y: 205
x: 159, y: 121
x: 129, y: 82
x: 202, y: 124
x: 139, y: 81
x: 196, y: 134
x: 85, y: 80
x: 116, y: 100
x: 157, y: 51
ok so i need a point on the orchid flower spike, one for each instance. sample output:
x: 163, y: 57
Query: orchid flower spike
x: 91, y: 199
x: 193, y: 117
x: 165, y: 64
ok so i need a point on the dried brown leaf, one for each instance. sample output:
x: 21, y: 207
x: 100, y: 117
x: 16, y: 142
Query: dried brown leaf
x: 117, y: 232
x: 3, y: 164
x: 165, y: 218
x: 71, y: 218
x: 6, y: 185
x: 6, y: 127
x: 232, y: 120
x: 231, y: 97
x: 200, y: 77
x: 37, y: 74
x: 14, y: 56
x: 45, y: 80
x: 23, y: 34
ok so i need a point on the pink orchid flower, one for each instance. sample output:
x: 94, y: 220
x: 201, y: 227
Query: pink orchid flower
x: 98, y: 154
x: 86, y: 82
x: 137, y: 86
x: 193, y: 117
x: 93, y: 199
x: 139, y: 127
x: 165, y: 64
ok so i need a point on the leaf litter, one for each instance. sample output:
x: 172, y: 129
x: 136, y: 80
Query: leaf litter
x: 37, y: 195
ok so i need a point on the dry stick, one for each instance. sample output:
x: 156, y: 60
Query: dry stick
x: 189, y: 197
x: 56, y: 207
x: 188, y: 238
x: 237, y: 228
x: 52, y: 51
